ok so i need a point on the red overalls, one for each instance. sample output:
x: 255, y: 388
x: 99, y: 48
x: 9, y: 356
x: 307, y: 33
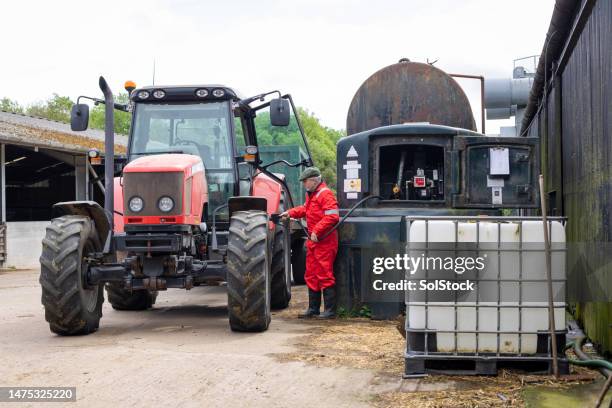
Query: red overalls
x: 321, y: 212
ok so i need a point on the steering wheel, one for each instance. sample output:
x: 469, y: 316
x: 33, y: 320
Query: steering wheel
x: 203, y: 150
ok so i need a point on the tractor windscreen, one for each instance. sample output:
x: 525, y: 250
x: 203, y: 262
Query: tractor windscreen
x: 201, y: 129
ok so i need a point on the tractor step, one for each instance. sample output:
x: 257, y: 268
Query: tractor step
x: 421, y: 366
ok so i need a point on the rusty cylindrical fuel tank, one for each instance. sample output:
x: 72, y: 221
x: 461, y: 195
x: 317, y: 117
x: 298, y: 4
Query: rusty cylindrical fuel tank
x: 409, y: 92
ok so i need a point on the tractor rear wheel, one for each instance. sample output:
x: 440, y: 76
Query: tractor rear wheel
x: 125, y: 299
x: 71, y: 307
x: 248, y: 271
x: 281, y: 279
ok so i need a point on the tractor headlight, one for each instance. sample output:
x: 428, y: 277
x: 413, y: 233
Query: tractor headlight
x: 136, y: 204
x: 159, y: 94
x: 165, y: 204
x: 218, y: 93
x: 143, y: 94
x: 202, y: 93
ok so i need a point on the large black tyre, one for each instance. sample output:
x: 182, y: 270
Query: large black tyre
x: 124, y: 299
x: 248, y: 271
x: 298, y: 261
x: 281, y: 281
x: 70, y: 307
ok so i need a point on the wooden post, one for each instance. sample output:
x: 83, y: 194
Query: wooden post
x: 551, y: 306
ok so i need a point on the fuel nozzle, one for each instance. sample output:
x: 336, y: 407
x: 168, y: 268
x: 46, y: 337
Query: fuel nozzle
x: 395, y: 195
x: 275, y: 218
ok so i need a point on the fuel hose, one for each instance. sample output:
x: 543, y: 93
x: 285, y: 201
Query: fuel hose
x: 276, y: 217
x: 603, y: 366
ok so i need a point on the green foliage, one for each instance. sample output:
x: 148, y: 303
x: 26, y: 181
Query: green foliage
x: 58, y: 108
x: 268, y: 135
x: 9, y: 105
x: 363, y: 311
x: 55, y: 108
x: 322, y: 142
x: 122, y: 119
x: 342, y: 313
x: 321, y: 139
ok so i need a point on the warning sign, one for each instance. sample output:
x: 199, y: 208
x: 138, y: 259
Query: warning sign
x: 352, y: 186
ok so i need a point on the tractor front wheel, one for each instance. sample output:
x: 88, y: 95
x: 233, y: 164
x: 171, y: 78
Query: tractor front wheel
x: 71, y: 307
x: 248, y: 271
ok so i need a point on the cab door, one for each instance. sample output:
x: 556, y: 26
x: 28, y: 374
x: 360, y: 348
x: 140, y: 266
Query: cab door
x: 495, y: 172
x: 287, y: 143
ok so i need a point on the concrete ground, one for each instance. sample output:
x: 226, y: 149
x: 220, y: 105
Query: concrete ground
x: 180, y: 353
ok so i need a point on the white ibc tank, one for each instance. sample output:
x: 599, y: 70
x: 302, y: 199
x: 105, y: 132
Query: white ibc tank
x: 513, y: 286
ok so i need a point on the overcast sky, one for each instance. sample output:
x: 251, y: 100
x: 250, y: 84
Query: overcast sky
x: 320, y: 51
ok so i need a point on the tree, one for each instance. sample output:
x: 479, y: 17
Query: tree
x: 122, y: 119
x: 9, y: 105
x: 322, y: 142
x: 321, y: 139
x: 56, y: 108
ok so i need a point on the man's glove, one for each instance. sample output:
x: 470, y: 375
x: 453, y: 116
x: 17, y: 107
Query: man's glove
x: 314, y: 238
x: 285, y: 216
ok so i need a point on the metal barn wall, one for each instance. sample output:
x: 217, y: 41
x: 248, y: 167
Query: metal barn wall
x: 575, y: 125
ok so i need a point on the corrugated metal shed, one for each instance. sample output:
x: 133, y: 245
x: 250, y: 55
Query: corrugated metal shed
x: 31, y: 131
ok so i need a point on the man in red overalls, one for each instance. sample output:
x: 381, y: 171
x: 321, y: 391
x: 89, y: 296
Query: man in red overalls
x: 321, y: 212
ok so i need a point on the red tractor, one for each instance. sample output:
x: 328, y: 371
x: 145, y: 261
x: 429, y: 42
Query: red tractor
x: 192, y: 203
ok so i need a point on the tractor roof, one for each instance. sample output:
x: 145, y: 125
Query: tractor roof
x: 185, y: 93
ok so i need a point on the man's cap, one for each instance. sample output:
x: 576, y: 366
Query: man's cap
x: 310, y: 172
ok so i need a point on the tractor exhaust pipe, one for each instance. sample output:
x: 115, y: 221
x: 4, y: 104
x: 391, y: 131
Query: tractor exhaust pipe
x: 109, y: 151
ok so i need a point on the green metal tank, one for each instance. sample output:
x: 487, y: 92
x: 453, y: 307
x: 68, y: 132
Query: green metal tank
x: 412, y: 143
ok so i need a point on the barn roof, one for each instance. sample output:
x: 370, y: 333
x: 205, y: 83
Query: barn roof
x: 20, y: 129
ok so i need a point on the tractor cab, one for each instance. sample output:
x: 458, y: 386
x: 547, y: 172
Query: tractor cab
x: 214, y: 123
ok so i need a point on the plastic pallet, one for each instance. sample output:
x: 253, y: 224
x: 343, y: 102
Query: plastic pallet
x: 420, y: 365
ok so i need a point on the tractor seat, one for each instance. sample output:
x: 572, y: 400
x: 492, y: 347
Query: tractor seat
x: 205, y: 154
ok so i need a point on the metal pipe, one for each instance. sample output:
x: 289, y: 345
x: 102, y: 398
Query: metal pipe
x: 400, y: 170
x: 481, y: 218
x: 109, y: 150
x: 561, y: 21
x: 551, y: 306
x: 95, y: 175
x: 482, y: 96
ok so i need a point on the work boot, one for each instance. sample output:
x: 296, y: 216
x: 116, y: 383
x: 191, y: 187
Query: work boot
x: 314, y: 305
x: 329, y: 297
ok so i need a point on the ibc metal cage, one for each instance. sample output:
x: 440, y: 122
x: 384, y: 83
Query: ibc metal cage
x: 423, y: 352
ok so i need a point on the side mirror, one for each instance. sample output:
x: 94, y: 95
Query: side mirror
x: 79, y: 117
x: 280, y: 112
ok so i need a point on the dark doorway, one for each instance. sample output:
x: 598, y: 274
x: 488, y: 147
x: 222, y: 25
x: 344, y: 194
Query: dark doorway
x: 35, y: 181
